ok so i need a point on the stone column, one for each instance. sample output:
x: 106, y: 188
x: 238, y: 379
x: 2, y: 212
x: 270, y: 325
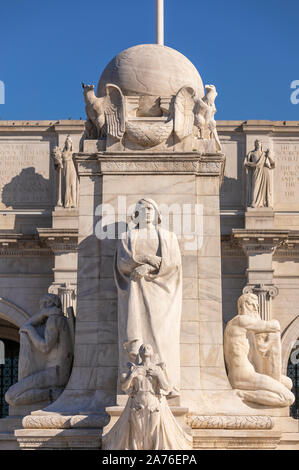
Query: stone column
x: 259, y: 246
x: 63, y: 243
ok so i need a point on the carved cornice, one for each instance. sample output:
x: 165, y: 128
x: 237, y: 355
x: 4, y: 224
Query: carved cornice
x: 18, y: 244
x: 68, y: 126
x: 150, y: 163
x: 229, y: 422
x: 59, y: 240
x: 259, y: 241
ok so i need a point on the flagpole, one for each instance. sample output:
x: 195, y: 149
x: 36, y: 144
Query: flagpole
x: 160, y: 22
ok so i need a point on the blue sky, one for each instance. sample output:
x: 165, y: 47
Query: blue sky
x: 248, y: 49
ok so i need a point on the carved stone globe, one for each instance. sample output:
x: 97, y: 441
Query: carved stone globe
x: 151, y: 71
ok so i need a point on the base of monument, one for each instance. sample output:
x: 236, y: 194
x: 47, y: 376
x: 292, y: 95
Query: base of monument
x: 115, y: 411
x: 256, y: 432
x: 7, y: 427
x: 235, y: 439
x: 51, y: 439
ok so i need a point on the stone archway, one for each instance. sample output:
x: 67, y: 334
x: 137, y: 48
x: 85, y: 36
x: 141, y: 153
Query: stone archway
x: 12, y: 313
x: 289, y: 336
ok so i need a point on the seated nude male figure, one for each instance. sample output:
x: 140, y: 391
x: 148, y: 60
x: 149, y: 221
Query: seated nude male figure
x: 47, y: 346
x: 252, y: 386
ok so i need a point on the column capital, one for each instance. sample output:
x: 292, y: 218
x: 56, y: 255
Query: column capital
x: 271, y: 291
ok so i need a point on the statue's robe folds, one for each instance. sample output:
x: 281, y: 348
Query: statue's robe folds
x: 165, y: 434
x: 259, y: 183
x: 149, y: 309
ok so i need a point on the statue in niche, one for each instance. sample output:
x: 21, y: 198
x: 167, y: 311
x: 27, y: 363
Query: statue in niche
x: 147, y: 422
x: 258, y: 165
x: 205, y: 111
x: 67, y: 176
x: 148, y: 275
x: 246, y: 337
x: 46, y: 355
x: 106, y: 115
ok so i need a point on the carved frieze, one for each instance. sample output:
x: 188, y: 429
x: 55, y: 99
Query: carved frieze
x: 229, y: 422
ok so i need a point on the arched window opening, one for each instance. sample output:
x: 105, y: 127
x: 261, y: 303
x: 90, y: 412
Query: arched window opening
x: 293, y: 373
x: 8, y: 372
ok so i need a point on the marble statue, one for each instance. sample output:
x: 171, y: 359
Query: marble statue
x: 246, y: 337
x: 105, y: 115
x: 258, y: 165
x: 57, y: 158
x: 205, y: 111
x: 67, y: 177
x: 147, y: 422
x: 148, y: 275
x: 46, y: 355
x: 70, y: 176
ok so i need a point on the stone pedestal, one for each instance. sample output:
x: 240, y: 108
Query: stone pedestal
x: 179, y: 413
x: 259, y: 218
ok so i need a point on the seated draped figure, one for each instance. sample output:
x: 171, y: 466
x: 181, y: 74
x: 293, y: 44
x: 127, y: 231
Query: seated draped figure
x: 46, y: 355
x: 147, y: 422
x: 252, y: 351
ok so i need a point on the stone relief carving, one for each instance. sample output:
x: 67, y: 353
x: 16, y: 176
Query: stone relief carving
x: 67, y: 177
x: 149, y: 134
x: 258, y: 165
x: 148, y: 275
x: 146, y: 422
x: 229, y: 422
x: 252, y: 351
x: 58, y: 421
x: 204, y: 116
x: 46, y: 355
x: 182, y: 114
x: 106, y: 115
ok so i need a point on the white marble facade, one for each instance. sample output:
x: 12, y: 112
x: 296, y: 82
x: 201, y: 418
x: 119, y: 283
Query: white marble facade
x: 166, y: 154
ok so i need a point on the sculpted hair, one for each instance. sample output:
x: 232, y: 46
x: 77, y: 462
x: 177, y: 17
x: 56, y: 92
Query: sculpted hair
x: 242, y: 302
x: 152, y: 203
x: 55, y: 299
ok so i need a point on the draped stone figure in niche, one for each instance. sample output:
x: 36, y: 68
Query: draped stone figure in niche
x: 67, y: 176
x: 258, y: 165
x: 246, y: 337
x: 46, y: 355
x: 148, y: 276
x: 146, y: 422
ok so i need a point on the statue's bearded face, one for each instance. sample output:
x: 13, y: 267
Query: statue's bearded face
x: 258, y: 144
x: 252, y: 306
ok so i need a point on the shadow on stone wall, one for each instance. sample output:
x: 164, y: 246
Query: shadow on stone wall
x: 27, y: 190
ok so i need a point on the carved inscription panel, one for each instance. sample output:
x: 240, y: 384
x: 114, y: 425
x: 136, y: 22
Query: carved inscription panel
x: 25, y: 175
x: 286, y: 176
